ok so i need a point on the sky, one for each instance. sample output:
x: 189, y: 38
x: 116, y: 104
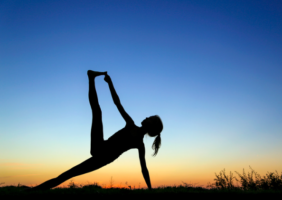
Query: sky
x: 210, y: 69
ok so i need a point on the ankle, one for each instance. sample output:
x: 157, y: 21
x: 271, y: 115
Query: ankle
x: 93, y: 74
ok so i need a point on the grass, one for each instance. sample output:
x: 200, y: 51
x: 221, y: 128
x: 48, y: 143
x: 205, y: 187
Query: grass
x: 247, y: 183
x: 224, y: 184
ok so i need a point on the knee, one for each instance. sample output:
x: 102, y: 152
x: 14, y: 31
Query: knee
x: 93, y: 152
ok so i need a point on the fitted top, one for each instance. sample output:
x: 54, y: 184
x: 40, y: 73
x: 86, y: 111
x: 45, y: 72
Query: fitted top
x: 123, y: 140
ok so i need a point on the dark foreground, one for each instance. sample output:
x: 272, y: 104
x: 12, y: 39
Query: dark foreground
x: 95, y: 192
x: 269, y: 187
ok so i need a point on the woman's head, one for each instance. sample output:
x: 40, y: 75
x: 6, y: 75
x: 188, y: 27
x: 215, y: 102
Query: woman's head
x: 154, y: 126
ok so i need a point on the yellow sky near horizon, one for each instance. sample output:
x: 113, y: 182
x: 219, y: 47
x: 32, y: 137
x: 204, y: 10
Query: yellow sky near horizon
x: 128, y: 172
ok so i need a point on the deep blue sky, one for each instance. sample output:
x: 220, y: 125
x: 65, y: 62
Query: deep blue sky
x: 210, y: 69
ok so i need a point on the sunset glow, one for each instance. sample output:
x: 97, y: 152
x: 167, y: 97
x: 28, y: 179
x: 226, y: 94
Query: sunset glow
x: 210, y: 69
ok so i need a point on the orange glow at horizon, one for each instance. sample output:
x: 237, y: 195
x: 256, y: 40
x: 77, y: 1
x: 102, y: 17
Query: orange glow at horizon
x: 124, y: 173
x: 120, y: 179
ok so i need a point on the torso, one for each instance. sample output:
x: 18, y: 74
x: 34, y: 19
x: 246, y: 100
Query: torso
x: 127, y: 138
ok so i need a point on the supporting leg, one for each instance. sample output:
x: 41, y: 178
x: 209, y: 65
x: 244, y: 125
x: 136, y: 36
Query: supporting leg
x: 97, y: 137
x: 88, y: 165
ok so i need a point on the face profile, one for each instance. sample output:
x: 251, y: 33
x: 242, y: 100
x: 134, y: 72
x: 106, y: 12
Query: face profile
x: 147, y: 122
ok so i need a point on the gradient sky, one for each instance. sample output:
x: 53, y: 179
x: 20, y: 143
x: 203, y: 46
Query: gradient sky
x: 210, y: 69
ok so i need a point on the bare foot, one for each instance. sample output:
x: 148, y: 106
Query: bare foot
x: 93, y: 74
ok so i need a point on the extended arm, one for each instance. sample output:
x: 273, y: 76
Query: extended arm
x: 145, y: 171
x: 116, y: 100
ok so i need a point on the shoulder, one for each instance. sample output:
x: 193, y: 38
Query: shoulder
x: 130, y: 124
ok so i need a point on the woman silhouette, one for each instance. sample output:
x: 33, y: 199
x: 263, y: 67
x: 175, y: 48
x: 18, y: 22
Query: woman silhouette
x: 106, y: 151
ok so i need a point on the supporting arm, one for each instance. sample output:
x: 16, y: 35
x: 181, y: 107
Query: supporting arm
x: 146, y: 176
x: 145, y: 172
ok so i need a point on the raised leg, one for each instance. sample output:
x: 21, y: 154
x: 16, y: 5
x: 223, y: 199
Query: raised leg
x: 88, y: 165
x: 97, y: 137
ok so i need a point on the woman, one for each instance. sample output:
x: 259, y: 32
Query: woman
x: 106, y: 151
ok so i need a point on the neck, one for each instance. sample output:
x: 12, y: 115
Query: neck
x: 143, y: 130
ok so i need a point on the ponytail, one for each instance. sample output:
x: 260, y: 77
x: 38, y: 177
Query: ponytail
x: 155, y: 130
x: 156, y: 145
